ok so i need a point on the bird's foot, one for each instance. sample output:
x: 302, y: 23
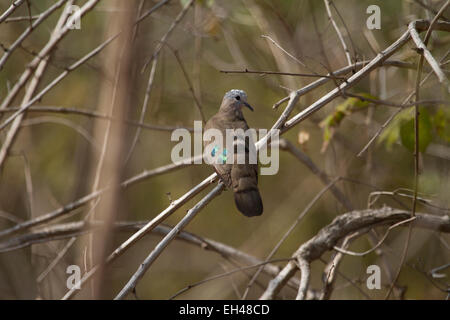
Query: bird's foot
x: 219, y: 181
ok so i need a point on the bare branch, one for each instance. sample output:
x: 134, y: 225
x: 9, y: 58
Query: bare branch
x: 95, y: 114
x: 10, y: 10
x: 262, y: 73
x: 342, y: 226
x: 143, y: 267
x: 341, y: 38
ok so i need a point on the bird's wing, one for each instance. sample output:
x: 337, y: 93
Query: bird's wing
x: 246, y: 170
x: 223, y: 170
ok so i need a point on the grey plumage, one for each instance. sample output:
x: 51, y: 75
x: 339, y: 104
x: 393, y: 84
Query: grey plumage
x: 241, y: 178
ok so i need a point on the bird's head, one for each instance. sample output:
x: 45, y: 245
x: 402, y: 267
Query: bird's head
x: 234, y: 100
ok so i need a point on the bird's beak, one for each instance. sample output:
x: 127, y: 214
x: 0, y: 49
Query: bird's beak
x: 247, y: 105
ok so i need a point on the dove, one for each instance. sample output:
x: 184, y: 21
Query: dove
x: 241, y: 178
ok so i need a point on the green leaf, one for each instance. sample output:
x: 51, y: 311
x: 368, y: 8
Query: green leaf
x: 391, y: 134
x: 332, y: 121
x: 407, y: 135
x: 327, y: 134
x: 441, y: 121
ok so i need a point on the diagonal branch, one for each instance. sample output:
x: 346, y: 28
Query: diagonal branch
x: 10, y: 10
x: 145, y: 265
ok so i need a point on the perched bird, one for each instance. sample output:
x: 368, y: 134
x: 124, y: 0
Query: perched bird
x: 241, y: 178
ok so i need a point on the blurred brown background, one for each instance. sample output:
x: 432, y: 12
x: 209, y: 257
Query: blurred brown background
x: 54, y: 159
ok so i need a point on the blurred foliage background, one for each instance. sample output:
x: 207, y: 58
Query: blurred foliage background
x: 227, y: 35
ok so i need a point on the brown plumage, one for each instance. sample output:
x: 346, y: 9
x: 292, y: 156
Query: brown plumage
x: 241, y: 178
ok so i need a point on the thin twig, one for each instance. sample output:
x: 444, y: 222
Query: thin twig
x: 398, y: 105
x: 23, y: 18
x: 335, y: 26
x: 186, y: 76
x: 226, y: 274
x: 95, y: 114
x: 282, y: 49
x: 79, y: 129
x: 361, y: 254
x: 308, y: 75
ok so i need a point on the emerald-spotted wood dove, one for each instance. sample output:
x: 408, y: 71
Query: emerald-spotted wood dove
x: 241, y: 178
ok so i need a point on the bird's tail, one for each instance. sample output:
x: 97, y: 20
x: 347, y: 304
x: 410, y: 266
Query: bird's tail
x: 249, y: 202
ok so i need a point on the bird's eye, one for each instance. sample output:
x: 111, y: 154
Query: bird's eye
x: 238, y: 98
